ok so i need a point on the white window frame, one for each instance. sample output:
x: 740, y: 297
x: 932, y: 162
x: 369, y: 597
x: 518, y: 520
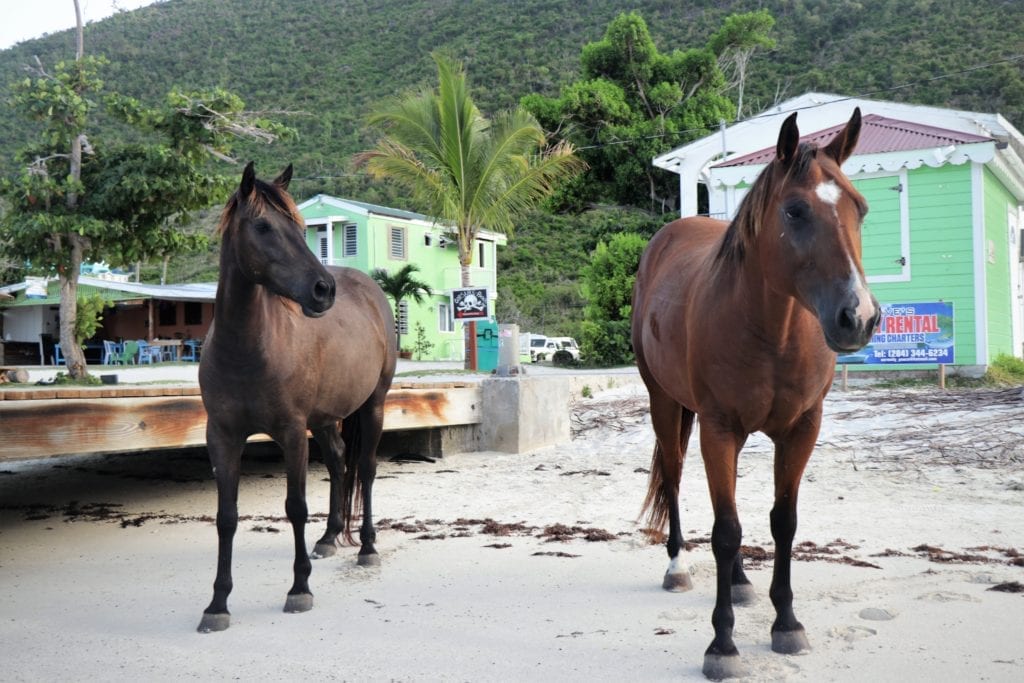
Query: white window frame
x: 901, y: 178
x: 402, y: 321
x: 323, y: 240
x: 349, y: 240
x: 445, y: 323
x: 398, y: 249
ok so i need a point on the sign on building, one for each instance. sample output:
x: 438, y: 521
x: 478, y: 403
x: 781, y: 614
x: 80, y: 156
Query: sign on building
x: 470, y: 303
x: 910, y: 333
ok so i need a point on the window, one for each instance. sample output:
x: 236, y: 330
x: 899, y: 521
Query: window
x: 886, y: 230
x: 168, y: 314
x: 402, y: 324
x: 349, y: 242
x: 323, y: 248
x: 193, y: 313
x: 481, y: 249
x: 396, y: 243
x: 428, y: 239
x: 444, y: 318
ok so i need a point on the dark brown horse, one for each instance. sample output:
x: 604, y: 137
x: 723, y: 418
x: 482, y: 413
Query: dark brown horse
x: 739, y: 323
x: 294, y: 346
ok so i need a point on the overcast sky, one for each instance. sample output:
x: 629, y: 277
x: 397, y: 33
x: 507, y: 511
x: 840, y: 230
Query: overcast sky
x: 26, y: 19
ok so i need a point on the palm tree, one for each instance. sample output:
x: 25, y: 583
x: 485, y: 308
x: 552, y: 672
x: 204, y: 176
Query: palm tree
x: 403, y: 284
x: 468, y: 171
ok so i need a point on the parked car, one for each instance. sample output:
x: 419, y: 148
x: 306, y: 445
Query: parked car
x: 553, y: 344
x: 532, y: 345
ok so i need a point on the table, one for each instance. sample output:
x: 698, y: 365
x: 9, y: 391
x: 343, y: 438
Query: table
x: 173, y: 345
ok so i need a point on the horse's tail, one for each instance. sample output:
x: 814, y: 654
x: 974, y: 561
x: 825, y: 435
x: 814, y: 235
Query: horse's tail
x: 656, y: 504
x: 351, y: 495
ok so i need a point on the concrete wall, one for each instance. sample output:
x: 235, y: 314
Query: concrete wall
x: 524, y: 413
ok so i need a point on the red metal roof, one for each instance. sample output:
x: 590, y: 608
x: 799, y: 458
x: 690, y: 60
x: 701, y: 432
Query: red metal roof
x: 877, y: 134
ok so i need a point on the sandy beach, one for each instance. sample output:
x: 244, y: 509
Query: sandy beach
x: 534, y: 566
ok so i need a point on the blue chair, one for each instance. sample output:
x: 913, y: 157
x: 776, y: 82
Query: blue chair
x: 58, y: 358
x: 111, y: 352
x: 192, y: 347
x: 148, y: 353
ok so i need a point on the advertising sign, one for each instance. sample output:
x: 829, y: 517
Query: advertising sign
x: 910, y: 333
x: 470, y: 303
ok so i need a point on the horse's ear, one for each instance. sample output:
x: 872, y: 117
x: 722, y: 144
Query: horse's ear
x: 286, y: 177
x: 845, y: 141
x: 789, y: 140
x: 248, y: 181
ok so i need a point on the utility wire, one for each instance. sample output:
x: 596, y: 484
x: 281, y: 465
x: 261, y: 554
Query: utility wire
x: 704, y: 129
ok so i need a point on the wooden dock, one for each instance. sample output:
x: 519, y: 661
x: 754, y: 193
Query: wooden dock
x: 40, y: 422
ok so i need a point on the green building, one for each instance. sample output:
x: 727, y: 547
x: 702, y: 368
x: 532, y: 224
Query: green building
x: 344, y: 232
x: 945, y: 191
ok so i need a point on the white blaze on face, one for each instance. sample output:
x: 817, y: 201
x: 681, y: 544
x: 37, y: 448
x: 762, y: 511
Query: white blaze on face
x: 829, y: 193
x: 865, y: 309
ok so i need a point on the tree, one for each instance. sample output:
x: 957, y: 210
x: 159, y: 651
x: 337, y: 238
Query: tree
x: 608, y: 288
x: 402, y: 285
x: 735, y: 43
x: 632, y: 104
x: 468, y: 171
x: 78, y: 197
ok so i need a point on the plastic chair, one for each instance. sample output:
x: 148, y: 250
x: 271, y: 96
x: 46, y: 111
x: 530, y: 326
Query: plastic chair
x: 191, y: 350
x: 58, y: 358
x: 111, y: 352
x: 129, y: 352
x: 148, y: 353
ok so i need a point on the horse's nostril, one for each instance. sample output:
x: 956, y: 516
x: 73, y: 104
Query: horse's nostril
x: 847, y: 318
x: 323, y: 290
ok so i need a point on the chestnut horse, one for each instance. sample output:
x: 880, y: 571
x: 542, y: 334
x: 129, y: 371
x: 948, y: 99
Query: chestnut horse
x: 294, y: 346
x: 740, y: 323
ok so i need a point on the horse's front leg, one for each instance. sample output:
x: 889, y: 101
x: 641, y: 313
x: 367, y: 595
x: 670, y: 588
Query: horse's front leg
x: 225, y: 451
x: 296, y: 455
x: 791, y: 455
x: 331, y: 448
x: 720, y: 448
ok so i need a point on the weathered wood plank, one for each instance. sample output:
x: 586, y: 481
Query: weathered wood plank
x: 88, y: 422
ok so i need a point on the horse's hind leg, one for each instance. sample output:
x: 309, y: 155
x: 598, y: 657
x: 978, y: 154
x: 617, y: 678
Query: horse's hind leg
x: 296, y: 455
x: 331, y: 447
x: 791, y: 456
x: 225, y: 456
x: 742, y: 590
x: 672, y: 425
x: 366, y: 426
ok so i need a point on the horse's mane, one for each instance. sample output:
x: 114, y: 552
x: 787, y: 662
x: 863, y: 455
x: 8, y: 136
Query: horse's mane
x: 754, y: 208
x: 265, y: 197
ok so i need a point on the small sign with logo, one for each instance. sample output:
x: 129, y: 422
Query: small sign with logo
x: 470, y: 303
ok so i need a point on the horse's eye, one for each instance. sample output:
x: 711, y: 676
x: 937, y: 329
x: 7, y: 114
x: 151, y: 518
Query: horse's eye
x: 794, y: 212
x: 262, y: 227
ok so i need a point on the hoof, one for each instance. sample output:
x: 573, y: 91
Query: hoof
x: 790, y: 642
x: 301, y: 602
x: 678, y: 582
x: 214, y: 622
x: 368, y: 560
x: 322, y: 550
x: 743, y: 594
x: 721, y: 667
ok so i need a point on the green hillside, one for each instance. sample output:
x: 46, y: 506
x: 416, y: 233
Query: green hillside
x: 329, y: 61
x: 333, y: 60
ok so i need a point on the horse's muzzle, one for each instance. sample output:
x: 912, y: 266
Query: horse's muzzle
x: 321, y: 298
x: 853, y: 324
